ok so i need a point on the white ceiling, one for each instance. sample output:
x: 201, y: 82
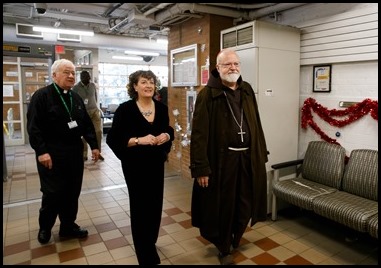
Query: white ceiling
x: 140, y: 24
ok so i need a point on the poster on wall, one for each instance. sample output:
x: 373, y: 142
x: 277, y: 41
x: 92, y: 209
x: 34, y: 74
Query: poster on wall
x: 191, y: 100
x: 184, y: 70
x: 8, y: 91
x: 322, y: 78
x: 204, y: 74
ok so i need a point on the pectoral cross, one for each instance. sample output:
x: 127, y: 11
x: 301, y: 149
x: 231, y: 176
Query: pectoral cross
x: 241, y: 133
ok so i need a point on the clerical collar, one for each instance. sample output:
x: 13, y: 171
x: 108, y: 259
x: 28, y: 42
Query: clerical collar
x: 64, y: 91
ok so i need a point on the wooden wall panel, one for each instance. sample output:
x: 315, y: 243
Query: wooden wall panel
x: 205, y: 32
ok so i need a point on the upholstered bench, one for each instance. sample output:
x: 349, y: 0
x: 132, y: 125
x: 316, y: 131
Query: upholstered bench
x: 357, y: 200
x: 322, y: 171
x: 347, y: 194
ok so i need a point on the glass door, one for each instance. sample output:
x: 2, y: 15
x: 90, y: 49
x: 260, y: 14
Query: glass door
x: 13, y: 131
x: 22, y: 76
x: 35, y: 75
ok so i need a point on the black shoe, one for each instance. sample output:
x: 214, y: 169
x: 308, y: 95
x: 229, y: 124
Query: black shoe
x: 75, y: 232
x: 101, y: 157
x: 44, y: 236
x: 225, y: 259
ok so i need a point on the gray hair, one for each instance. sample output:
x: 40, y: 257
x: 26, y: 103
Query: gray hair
x: 223, y: 52
x: 58, y: 63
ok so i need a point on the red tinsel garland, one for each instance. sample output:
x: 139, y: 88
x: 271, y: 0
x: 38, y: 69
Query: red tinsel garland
x: 353, y: 112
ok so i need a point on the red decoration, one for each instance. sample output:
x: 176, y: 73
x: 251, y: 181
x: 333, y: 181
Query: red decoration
x: 353, y: 113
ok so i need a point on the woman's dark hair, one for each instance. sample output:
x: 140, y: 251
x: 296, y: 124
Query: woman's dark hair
x: 134, y: 79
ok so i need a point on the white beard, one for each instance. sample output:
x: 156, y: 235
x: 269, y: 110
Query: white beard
x: 231, y: 78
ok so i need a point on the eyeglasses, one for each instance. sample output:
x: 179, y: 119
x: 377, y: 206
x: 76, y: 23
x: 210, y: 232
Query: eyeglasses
x: 228, y: 65
x: 68, y: 73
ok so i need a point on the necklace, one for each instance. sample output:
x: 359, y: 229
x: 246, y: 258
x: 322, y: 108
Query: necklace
x: 147, y: 113
x: 235, y: 119
x: 144, y: 113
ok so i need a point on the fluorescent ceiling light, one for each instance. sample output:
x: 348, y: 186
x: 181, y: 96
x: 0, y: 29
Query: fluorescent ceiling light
x: 128, y: 58
x: 63, y: 31
x: 162, y: 41
x: 141, y: 53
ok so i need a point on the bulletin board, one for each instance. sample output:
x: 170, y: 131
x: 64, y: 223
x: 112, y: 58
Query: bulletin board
x: 184, y: 62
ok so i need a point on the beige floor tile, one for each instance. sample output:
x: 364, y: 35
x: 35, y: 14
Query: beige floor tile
x: 104, y: 212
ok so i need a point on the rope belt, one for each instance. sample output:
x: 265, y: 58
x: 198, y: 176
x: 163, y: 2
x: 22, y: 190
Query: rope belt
x: 238, y: 149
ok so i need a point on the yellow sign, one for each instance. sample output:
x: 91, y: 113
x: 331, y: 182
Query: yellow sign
x: 14, y: 48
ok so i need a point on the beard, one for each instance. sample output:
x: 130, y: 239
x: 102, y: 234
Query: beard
x: 231, y: 78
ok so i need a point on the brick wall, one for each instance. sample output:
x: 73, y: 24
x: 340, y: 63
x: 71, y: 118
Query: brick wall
x: 180, y: 36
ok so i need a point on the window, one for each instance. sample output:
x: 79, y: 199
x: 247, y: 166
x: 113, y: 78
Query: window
x: 113, y: 79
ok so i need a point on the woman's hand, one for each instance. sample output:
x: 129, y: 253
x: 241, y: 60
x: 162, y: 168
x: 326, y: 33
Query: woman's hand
x: 148, y: 140
x: 162, y: 138
x: 152, y: 140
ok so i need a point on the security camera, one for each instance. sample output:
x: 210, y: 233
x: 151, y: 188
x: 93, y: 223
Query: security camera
x: 148, y: 58
x: 40, y: 7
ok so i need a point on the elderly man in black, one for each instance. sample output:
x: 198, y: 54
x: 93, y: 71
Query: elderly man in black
x: 56, y: 121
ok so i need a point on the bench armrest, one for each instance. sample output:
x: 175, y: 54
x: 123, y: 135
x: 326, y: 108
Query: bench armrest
x: 287, y: 164
x: 279, y: 166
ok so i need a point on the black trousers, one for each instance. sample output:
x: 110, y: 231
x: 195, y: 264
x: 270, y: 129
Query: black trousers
x: 61, y: 186
x: 235, y: 198
x: 145, y: 184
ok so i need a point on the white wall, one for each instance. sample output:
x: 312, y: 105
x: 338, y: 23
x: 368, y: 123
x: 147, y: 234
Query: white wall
x: 351, y: 81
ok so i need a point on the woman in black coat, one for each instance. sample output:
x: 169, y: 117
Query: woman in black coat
x: 141, y: 137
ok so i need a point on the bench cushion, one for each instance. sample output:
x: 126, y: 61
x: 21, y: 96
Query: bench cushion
x: 324, y: 163
x: 361, y: 175
x: 300, y: 192
x: 345, y: 208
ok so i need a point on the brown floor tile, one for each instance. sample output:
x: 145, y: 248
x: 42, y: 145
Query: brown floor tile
x: 71, y: 254
x: 238, y: 256
x: 116, y: 243
x: 173, y: 211
x: 101, y: 228
x: 16, y: 248
x: 125, y: 230
x: 265, y: 259
x: 266, y: 244
x: 91, y: 240
x: 186, y: 224
x: 297, y: 260
x: 166, y: 220
x: 162, y: 232
x: 43, y: 251
x: 243, y: 241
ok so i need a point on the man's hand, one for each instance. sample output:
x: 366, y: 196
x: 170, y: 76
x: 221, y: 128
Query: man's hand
x: 95, y: 155
x: 46, y: 160
x: 203, y: 181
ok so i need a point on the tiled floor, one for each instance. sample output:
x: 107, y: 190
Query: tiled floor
x: 297, y: 237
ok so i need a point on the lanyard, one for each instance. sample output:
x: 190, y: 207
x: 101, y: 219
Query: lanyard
x: 63, y: 101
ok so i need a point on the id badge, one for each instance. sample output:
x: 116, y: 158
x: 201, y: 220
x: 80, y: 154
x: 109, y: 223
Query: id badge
x: 72, y: 124
x: 86, y: 101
